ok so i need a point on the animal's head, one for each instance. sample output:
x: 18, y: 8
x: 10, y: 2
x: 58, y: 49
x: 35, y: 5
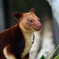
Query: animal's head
x: 28, y: 21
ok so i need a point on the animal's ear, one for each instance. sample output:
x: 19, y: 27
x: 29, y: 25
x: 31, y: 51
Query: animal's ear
x: 32, y: 10
x: 17, y: 15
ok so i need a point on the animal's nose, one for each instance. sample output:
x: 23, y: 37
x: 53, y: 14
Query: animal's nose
x: 39, y: 26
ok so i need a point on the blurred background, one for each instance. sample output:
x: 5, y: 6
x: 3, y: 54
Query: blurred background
x: 43, y: 9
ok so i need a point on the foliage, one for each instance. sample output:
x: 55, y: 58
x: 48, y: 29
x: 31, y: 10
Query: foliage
x: 57, y: 57
x: 54, y: 53
x: 42, y: 57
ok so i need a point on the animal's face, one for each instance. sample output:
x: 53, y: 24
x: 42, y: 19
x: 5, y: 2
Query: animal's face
x: 30, y: 21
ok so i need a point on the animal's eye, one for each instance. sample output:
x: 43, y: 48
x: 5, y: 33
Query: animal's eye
x: 30, y: 21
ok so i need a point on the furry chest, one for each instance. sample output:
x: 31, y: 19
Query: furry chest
x: 28, y: 44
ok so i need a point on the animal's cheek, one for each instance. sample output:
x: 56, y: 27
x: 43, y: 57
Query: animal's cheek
x: 27, y: 26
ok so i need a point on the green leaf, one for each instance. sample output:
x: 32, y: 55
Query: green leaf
x: 57, y: 57
x: 42, y: 57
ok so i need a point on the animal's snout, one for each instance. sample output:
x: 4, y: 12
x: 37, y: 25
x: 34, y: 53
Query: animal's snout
x: 38, y: 26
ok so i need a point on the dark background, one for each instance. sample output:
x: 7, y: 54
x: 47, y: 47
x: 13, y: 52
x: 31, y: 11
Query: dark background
x: 10, y: 6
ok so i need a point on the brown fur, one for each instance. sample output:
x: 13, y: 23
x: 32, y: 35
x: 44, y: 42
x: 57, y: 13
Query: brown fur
x: 16, y: 41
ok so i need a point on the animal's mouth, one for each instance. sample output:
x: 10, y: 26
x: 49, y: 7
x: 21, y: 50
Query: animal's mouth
x: 37, y: 29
